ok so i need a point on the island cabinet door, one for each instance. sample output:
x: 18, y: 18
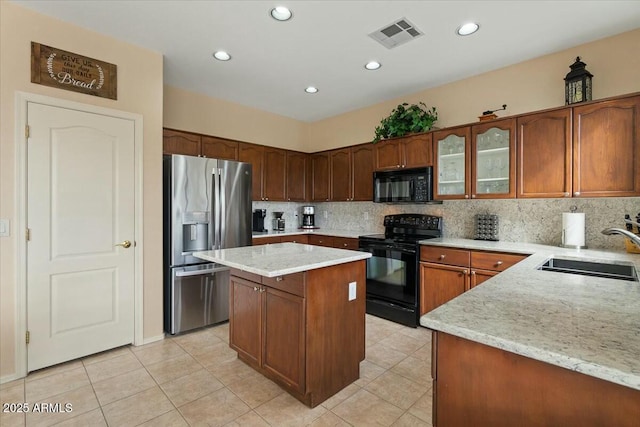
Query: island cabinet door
x: 440, y: 283
x: 284, y: 337
x: 245, y: 319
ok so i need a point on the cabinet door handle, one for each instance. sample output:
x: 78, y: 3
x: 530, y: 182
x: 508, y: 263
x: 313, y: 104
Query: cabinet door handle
x: 473, y: 273
x: 465, y: 272
x: 279, y: 279
x: 466, y: 196
x: 577, y: 193
x: 262, y: 289
x: 255, y: 288
x: 473, y: 196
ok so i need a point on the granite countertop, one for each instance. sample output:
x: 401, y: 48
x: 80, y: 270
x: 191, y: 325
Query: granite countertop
x: 319, y: 231
x: 587, y: 324
x: 279, y: 259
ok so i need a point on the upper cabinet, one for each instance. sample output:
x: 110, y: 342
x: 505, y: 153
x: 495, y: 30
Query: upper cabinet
x: 493, y: 159
x: 362, y: 173
x: 219, y: 148
x: 340, y: 175
x: 176, y: 142
x: 351, y: 173
x: 190, y: 144
x: 297, y: 181
x: 320, y: 177
x: 406, y: 152
x: 606, y: 147
x: 269, y: 171
x: 452, y: 167
x: 544, y: 154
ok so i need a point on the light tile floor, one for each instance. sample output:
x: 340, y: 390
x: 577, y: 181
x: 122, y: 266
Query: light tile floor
x: 196, y: 379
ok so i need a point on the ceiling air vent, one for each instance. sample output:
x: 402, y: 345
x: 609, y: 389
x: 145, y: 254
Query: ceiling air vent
x: 395, y: 34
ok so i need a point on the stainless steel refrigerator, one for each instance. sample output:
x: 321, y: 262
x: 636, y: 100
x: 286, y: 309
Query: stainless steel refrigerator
x: 207, y: 205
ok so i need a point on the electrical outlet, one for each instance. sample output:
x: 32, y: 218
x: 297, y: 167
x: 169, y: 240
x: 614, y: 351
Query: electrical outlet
x: 352, y: 291
x: 366, y: 216
x: 4, y: 228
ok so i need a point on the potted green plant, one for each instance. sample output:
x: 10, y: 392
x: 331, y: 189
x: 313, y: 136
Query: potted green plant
x: 406, y: 119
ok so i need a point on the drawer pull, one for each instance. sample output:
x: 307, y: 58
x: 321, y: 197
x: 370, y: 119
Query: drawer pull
x: 279, y: 279
x: 499, y: 263
x: 442, y: 257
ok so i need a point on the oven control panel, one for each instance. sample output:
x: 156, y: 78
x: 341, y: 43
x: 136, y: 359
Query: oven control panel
x: 422, y: 222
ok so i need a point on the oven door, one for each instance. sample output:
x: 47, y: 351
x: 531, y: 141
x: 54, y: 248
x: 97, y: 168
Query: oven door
x: 392, y: 281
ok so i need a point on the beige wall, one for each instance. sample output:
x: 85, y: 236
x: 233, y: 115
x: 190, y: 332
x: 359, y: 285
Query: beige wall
x: 190, y: 111
x: 528, y: 86
x: 139, y: 91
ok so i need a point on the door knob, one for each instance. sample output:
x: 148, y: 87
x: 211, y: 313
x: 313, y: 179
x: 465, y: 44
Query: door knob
x: 126, y: 244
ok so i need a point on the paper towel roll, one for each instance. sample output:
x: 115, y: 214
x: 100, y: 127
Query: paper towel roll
x: 573, y: 230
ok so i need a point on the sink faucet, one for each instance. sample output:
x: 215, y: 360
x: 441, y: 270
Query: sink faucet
x: 635, y: 239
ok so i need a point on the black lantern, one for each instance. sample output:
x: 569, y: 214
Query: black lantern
x: 577, y: 84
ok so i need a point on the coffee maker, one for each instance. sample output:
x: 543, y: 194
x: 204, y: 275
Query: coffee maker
x: 258, y: 220
x: 278, y: 221
x: 308, y: 217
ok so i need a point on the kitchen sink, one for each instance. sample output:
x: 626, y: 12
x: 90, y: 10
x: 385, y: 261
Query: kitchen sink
x: 620, y: 271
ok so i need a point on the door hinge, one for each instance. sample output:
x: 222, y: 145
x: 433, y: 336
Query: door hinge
x: 28, y: 337
x: 28, y: 234
x: 26, y: 131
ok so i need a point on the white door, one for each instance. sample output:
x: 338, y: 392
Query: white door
x: 80, y: 207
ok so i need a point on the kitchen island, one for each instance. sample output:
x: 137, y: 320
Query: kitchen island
x: 297, y: 314
x: 532, y: 347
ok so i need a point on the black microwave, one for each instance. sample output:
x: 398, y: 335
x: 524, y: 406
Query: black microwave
x: 403, y: 186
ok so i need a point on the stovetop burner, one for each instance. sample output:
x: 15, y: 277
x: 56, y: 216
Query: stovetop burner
x: 408, y: 228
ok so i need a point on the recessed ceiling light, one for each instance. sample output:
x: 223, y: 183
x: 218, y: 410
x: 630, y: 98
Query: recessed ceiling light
x: 468, y: 28
x: 372, y: 65
x: 281, y: 13
x: 311, y: 89
x: 221, y: 55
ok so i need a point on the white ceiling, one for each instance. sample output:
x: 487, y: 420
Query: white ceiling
x: 326, y: 44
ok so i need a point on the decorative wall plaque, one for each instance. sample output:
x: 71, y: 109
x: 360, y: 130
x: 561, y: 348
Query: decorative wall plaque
x: 70, y: 71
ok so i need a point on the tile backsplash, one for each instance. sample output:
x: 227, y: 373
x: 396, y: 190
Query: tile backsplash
x: 521, y: 220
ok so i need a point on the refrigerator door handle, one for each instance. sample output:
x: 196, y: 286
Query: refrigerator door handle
x: 215, y: 209
x: 222, y: 230
x: 183, y: 273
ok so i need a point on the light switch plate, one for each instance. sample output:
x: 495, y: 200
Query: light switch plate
x: 352, y: 291
x: 4, y: 228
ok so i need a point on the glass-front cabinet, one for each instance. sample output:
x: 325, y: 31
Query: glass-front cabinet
x: 493, y: 160
x: 452, y: 168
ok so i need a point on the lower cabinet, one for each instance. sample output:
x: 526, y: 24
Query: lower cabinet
x: 446, y: 273
x: 291, y: 328
x: 494, y: 387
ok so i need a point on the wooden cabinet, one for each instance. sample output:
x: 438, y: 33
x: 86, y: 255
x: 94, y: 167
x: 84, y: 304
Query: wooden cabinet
x: 292, y: 328
x: 517, y: 391
x: 254, y: 154
x: 362, y: 172
x: 266, y: 240
x: 320, y: 177
x: 320, y: 240
x: 345, y: 243
x: 296, y: 176
x: 191, y: 144
x: 446, y: 273
x: 177, y: 142
x: 274, y: 174
x: 606, y: 147
x: 340, y: 175
x: 452, y: 165
x: 268, y: 164
x: 405, y: 152
x: 219, y: 148
x: 493, y: 159
x: 303, y: 239
x: 271, y: 331
x: 351, y: 173
x: 544, y: 154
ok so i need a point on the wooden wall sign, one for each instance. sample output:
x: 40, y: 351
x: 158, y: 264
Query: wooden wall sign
x: 65, y: 70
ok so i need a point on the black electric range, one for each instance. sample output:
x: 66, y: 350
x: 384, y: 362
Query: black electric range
x: 393, y: 275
